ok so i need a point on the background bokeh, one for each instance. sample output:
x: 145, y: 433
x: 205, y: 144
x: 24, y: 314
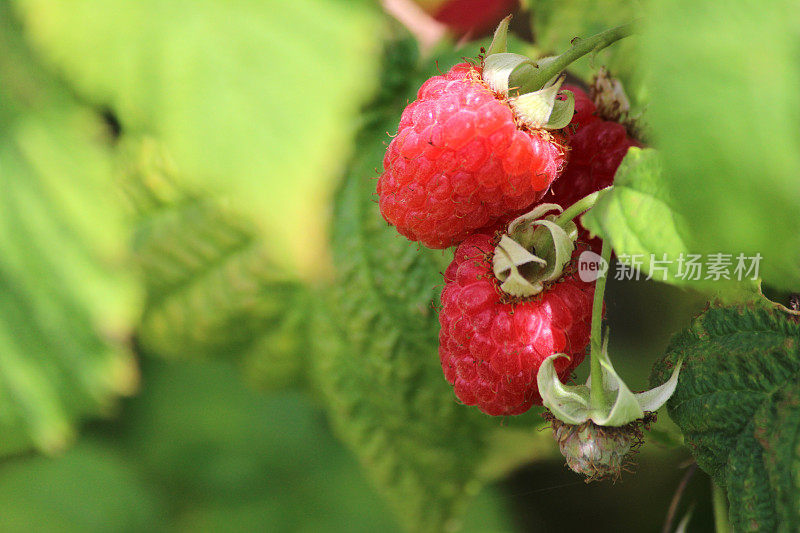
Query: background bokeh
x: 167, y: 171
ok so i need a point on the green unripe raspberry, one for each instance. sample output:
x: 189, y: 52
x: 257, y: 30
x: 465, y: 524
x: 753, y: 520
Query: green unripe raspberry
x: 597, y: 452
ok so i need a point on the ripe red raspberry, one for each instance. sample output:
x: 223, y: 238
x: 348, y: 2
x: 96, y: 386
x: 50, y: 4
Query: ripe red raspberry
x: 597, y: 147
x: 461, y: 160
x: 584, y: 108
x: 491, y: 345
x: 473, y: 16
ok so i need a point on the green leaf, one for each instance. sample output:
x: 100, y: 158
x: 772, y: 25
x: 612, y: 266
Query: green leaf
x: 574, y: 404
x: 253, y: 99
x: 24, y: 83
x: 723, y: 82
x: 376, y: 353
x: 278, y: 359
x: 777, y: 430
x: 639, y: 218
x: 738, y: 405
x: 67, y: 305
x: 212, y: 288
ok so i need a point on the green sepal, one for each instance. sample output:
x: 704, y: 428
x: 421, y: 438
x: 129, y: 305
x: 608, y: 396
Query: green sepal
x: 532, y: 87
x: 562, y: 112
x: 525, y: 80
x: 555, y: 245
x: 500, y: 39
x: 568, y: 403
x: 522, y: 228
x: 536, y: 108
x: 498, y: 70
x: 573, y: 404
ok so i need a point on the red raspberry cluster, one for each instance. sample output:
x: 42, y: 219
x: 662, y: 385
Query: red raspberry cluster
x: 462, y: 161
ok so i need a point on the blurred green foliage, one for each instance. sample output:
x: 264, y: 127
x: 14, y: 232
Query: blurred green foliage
x: 212, y: 287
x: 92, y: 487
x: 226, y: 86
x: 67, y: 305
x: 724, y: 113
x: 196, y: 451
x: 556, y: 23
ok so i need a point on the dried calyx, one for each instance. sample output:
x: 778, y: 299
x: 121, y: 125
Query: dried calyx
x: 612, y: 104
x: 537, y: 246
x: 609, y: 97
x: 534, y: 251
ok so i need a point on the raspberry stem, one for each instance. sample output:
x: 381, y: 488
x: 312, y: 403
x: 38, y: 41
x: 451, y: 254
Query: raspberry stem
x: 720, y: 504
x: 580, y: 48
x: 581, y: 206
x: 597, y: 391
